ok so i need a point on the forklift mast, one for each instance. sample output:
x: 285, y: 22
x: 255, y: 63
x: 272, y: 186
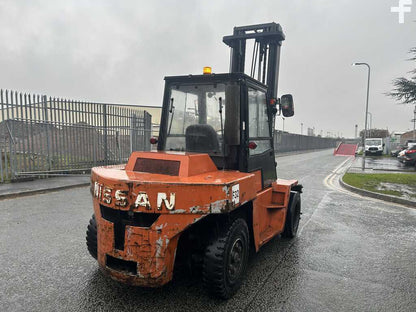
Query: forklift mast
x: 266, y: 53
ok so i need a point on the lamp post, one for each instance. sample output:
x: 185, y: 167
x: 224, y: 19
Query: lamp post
x: 371, y: 123
x: 283, y: 118
x: 301, y: 127
x: 414, y: 123
x: 366, y: 108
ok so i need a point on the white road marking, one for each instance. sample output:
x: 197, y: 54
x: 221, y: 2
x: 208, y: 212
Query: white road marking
x: 338, y: 172
x: 324, y: 201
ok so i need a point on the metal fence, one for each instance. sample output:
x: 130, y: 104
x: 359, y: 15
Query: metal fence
x: 40, y: 135
x: 288, y: 142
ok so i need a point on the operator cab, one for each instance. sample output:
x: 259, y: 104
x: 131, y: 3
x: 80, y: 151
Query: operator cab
x: 223, y: 115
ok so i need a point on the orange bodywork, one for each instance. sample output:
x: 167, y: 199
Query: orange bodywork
x: 179, y: 189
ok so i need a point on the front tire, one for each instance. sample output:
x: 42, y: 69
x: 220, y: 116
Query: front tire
x: 292, y: 216
x: 225, y: 260
x: 92, y: 237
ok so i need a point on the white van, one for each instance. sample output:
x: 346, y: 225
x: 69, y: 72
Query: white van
x: 374, y: 146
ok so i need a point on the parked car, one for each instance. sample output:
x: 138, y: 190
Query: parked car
x: 374, y: 146
x: 408, y: 156
x: 395, y: 152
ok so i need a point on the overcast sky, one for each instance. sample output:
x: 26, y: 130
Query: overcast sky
x: 119, y: 51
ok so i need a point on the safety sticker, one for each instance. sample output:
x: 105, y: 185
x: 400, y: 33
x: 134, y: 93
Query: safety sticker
x: 236, y: 193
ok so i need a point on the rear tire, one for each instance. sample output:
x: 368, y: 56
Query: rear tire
x: 292, y: 216
x: 225, y: 260
x: 92, y: 237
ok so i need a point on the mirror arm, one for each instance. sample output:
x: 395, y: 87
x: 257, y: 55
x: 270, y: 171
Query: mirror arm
x: 279, y: 111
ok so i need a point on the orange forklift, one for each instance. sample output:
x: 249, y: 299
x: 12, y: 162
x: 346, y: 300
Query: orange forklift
x: 209, y: 194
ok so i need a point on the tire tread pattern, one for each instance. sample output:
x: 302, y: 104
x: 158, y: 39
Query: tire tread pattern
x: 289, y: 231
x: 92, y: 237
x: 213, y: 269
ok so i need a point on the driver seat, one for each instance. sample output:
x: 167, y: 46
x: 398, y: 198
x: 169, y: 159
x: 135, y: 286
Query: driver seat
x: 201, y: 139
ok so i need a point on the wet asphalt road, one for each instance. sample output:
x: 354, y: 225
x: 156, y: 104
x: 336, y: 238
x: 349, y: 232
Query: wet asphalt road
x: 352, y: 254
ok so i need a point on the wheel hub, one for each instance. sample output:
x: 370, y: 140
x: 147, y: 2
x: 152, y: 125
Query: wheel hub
x: 235, y: 260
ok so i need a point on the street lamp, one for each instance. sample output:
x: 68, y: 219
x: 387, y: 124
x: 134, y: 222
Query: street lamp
x: 414, y: 122
x: 283, y: 118
x: 301, y: 126
x: 366, y: 109
x: 371, y: 123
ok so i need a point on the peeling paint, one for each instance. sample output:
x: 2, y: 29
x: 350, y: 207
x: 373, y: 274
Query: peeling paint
x: 177, y: 211
x: 197, y: 210
x: 197, y: 219
x: 159, y: 246
x: 217, y: 206
x: 139, y: 274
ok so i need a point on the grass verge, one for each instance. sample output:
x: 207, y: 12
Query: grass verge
x: 373, y: 182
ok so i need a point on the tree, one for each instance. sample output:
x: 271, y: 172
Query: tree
x: 405, y: 89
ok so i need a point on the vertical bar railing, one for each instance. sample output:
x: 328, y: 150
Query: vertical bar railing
x: 1, y: 166
x: 13, y: 130
x: 42, y: 135
x: 47, y: 131
x: 95, y: 133
x: 40, y: 125
x: 147, y: 129
x: 104, y: 107
x: 131, y: 128
x: 4, y: 152
x: 10, y: 135
x: 27, y: 147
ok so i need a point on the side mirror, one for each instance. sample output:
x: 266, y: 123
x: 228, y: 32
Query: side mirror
x: 286, y: 105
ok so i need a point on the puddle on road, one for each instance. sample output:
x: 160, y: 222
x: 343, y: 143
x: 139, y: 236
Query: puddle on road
x: 406, y: 190
x: 383, y: 163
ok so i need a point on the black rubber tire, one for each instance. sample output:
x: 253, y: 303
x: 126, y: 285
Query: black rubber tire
x: 225, y: 260
x: 293, y: 215
x: 92, y: 237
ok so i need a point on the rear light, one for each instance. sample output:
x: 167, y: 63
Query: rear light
x: 252, y: 145
x: 410, y: 152
x: 153, y: 140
